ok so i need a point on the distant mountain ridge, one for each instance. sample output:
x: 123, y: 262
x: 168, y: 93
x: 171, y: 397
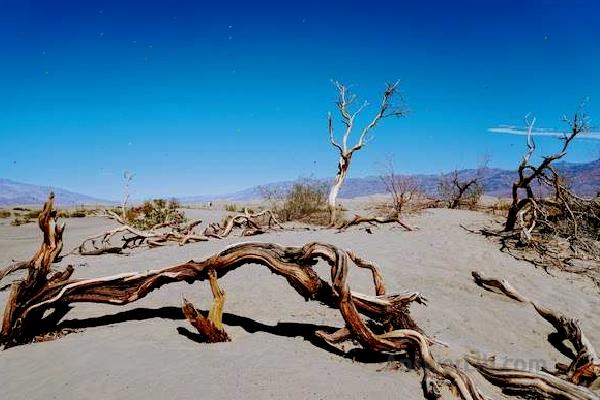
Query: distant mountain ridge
x: 584, y: 179
x: 17, y: 193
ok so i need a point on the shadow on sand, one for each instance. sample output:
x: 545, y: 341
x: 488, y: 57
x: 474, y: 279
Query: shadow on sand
x: 283, y: 329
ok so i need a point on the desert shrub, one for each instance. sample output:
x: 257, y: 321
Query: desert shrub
x: 403, y: 190
x: 78, y: 214
x: 456, y: 192
x: 500, y: 207
x: 19, y: 220
x: 305, y: 201
x: 155, y: 212
x: 63, y: 214
x: 32, y: 214
x: 5, y: 214
x: 231, y: 207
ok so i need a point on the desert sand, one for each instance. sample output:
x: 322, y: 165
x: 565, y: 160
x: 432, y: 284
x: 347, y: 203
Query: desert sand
x: 146, y: 350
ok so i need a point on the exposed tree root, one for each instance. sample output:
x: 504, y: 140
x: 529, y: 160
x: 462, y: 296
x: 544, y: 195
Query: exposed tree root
x: 359, y: 219
x: 566, y: 381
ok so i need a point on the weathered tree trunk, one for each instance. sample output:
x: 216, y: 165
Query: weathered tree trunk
x: 340, y: 177
x: 345, y: 100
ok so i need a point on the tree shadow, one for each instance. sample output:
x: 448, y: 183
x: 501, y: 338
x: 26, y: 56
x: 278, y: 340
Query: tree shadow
x: 283, y: 329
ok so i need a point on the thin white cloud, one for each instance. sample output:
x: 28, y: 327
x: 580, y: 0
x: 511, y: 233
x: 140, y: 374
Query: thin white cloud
x: 515, y: 130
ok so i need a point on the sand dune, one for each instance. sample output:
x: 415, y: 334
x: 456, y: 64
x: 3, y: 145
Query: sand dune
x: 146, y: 350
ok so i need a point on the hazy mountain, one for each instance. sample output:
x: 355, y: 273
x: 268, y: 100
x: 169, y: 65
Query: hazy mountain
x: 13, y: 193
x: 584, y: 178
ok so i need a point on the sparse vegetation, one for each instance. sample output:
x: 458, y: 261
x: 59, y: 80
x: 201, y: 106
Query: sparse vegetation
x: 18, y: 221
x: 155, y: 213
x: 305, y: 201
x: 404, y: 190
x: 459, y: 192
x: 5, y: 214
x: 231, y: 207
x: 25, y: 216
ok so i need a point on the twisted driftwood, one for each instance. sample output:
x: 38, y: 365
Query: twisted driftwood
x: 52, y: 245
x: 162, y: 233
x: 131, y: 237
x: 15, y: 266
x: 359, y: 219
x: 251, y: 224
x: 572, y: 382
x: 391, y: 327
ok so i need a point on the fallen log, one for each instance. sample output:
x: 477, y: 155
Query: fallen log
x: 359, y: 219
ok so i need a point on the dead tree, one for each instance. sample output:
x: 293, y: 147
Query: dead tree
x: 555, y: 227
x: 402, y: 189
x: 544, y: 172
x: 456, y: 191
x: 344, y: 102
x: 390, y: 329
x: 52, y: 239
x: 576, y: 381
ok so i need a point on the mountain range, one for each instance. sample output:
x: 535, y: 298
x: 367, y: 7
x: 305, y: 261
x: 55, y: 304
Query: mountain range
x: 17, y: 193
x: 584, y: 179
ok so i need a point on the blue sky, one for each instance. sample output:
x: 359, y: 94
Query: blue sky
x: 203, y: 97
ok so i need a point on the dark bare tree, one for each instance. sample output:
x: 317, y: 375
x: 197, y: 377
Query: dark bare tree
x: 402, y: 189
x: 547, y: 224
x: 545, y: 171
x: 457, y: 191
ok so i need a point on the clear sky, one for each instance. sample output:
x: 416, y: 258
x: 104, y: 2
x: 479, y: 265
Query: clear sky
x: 205, y: 97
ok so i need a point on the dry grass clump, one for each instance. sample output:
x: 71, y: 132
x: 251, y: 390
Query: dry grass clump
x: 155, y: 212
x: 235, y: 208
x: 24, y: 216
x: 305, y: 201
x: 5, y: 214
